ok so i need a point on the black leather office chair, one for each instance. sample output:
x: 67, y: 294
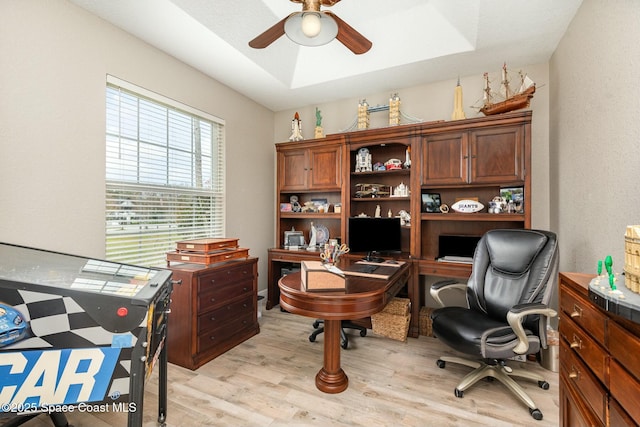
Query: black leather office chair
x: 513, y: 276
x: 344, y: 338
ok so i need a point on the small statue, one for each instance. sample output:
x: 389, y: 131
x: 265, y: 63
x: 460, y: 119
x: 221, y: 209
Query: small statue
x: 296, y: 128
x: 377, y: 211
x: 318, y: 130
x: 312, y: 238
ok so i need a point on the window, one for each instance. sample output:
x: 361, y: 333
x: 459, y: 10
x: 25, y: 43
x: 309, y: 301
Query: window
x: 164, y: 175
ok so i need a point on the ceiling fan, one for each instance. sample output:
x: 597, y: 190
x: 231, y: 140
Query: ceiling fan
x: 313, y: 27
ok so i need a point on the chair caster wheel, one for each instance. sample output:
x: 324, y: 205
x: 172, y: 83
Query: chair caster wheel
x: 312, y: 338
x: 363, y: 333
x: 316, y: 324
x: 441, y: 363
x: 344, y: 344
x: 543, y: 385
x: 458, y: 393
x: 536, y: 414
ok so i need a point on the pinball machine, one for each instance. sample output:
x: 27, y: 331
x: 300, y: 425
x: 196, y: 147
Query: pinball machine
x: 79, y: 333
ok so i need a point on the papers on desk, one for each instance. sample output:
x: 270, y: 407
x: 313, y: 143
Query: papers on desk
x: 373, y: 270
x: 459, y: 259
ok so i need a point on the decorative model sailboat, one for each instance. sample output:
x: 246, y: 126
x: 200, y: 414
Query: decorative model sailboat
x: 512, y: 100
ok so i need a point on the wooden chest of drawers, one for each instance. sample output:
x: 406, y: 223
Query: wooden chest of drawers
x: 212, y: 311
x: 599, y: 363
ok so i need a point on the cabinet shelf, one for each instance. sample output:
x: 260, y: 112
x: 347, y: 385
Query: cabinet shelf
x: 405, y: 172
x: 307, y: 215
x: 485, y: 217
x: 380, y: 199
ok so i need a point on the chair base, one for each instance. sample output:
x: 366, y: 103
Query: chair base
x: 502, y: 373
x: 344, y: 339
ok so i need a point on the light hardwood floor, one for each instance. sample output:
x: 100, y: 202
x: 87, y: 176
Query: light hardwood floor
x: 269, y: 381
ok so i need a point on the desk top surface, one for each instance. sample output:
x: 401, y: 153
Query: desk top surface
x: 362, y: 296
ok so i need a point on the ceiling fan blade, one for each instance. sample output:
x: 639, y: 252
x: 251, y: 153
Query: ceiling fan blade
x: 269, y: 36
x: 348, y: 36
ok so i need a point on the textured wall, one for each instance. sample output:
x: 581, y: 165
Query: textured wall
x: 595, y: 133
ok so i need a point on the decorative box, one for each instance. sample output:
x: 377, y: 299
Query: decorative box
x: 316, y: 277
x: 206, y: 251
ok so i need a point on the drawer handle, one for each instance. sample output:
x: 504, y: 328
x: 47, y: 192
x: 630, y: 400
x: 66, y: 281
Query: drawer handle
x: 576, y: 343
x: 574, y: 374
x: 212, y: 338
x: 245, y: 289
x: 213, y: 317
x: 577, y: 311
x: 213, y: 281
x: 213, y: 300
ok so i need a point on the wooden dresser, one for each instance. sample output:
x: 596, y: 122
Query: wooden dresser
x: 212, y: 311
x: 599, y: 360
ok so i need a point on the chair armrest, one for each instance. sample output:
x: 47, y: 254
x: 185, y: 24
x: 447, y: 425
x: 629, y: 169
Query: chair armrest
x: 519, y: 312
x: 443, y: 285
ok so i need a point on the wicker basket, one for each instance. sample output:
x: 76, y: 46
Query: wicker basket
x: 393, y: 321
x: 425, y: 321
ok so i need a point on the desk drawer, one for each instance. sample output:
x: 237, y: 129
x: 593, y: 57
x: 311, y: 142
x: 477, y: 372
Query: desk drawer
x: 625, y: 347
x: 584, y: 314
x: 221, y: 316
x: 582, y: 344
x: 214, y: 296
x: 224, y: 277
x: 574, y: 371
x: 220, y: 335
x: 625, y: 389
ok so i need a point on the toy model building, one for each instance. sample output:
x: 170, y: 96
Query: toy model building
x: 363, y: 160
x: 79, y: 332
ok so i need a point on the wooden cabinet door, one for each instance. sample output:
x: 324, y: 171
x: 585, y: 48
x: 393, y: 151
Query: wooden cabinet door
x: 292, y: 170
x: 444, y: 159
x: 497, y: 155
x: 325, y: 168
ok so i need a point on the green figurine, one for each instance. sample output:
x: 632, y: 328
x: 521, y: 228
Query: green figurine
x: 599, y: 267
x: 318, y: 117
x: 608, y: 263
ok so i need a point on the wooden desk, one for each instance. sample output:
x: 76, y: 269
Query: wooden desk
x: 362, y: 297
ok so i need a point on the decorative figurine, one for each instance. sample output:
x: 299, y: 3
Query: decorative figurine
x: 318, y: 131
x: 296, y: 128
x: 394, y: 110
x: 312, y: 238
x: 363, y: 160
x: 377, y: 211
x: 407, y: 158
x: 458, y: 111
x: 295, y: 204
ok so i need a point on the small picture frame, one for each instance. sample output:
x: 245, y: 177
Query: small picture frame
x: 293, y: 239
x: 431, y: 202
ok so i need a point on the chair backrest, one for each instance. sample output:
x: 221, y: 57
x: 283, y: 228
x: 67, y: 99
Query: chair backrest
x: 511, y: 267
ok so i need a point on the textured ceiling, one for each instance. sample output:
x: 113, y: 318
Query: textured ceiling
x: 414, y: 42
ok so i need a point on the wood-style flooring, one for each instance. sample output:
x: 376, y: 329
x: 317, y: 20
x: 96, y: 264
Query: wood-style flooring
x: 269, y: 381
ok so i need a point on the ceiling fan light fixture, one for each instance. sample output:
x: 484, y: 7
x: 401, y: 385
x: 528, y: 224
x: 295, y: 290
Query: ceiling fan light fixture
x: 300, y: 28
x: 311, y: 25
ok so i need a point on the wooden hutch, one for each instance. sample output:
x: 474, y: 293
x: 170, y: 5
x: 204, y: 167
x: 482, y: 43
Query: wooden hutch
x: 462, y: 159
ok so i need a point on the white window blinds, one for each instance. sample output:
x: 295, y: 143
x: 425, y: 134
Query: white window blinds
x: 164, y: 175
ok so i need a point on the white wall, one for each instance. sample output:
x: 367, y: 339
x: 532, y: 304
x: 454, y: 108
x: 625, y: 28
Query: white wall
x: 595, y: 133
x: 435, y: 102
x: 53, y: 64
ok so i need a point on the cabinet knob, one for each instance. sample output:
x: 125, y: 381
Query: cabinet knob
x: 213, y: 300
x: 212, y: 338
x: 213, y: 317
